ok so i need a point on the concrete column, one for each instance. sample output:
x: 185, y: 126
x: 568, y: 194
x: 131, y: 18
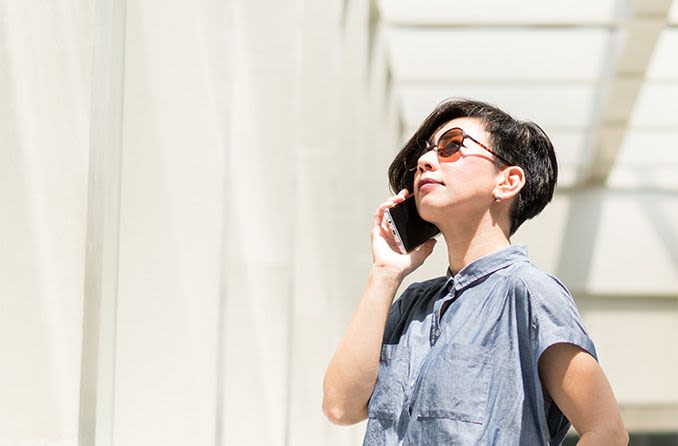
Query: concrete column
x: 45, y: 77
x: 172, y: 215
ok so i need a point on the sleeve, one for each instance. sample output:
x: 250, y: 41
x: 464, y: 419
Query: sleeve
x: 554, y: 316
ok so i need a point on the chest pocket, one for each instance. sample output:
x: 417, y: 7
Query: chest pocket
x: 389, y: 392
x: 456, y: 385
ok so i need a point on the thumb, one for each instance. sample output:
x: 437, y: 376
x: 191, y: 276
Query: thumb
x: 426, y: 249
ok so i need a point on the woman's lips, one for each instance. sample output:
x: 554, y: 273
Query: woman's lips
x: 428, y: 184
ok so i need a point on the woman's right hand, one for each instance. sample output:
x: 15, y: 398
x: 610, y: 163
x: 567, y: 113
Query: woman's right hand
x: 385, y: 251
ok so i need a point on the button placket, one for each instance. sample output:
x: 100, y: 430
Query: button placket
x: 435, y: 320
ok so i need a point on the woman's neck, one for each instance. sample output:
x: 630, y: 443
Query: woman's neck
x: 464, y: 245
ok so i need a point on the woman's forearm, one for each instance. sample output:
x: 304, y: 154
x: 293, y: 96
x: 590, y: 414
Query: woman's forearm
x: 610, y: 438
x: 352, y: 372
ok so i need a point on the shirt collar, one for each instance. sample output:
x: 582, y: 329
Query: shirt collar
x: 487, y: 264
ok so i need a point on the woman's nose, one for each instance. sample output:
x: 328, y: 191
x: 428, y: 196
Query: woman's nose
x: 427, y: 161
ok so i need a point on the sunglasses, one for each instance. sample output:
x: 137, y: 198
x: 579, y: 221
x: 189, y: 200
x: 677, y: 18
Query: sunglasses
x: 452, y: 141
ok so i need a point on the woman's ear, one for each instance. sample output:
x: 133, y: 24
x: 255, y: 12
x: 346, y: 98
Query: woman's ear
x: 509, y: 182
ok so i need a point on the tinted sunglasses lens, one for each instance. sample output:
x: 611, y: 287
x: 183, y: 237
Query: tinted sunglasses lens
x: 450, y: 142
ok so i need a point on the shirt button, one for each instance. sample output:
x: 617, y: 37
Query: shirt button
x: 437, y: 332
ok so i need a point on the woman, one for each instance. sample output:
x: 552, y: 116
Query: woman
x: 494, y: 352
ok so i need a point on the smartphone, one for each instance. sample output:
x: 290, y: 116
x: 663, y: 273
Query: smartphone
x: 407, y: 226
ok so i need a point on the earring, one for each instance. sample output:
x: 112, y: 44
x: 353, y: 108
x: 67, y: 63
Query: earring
x: 497, y: 199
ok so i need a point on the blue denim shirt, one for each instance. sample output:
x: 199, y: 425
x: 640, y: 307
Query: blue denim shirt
x: 459, y: 357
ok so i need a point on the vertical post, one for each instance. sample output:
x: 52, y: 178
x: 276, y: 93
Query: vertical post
x: 103, y: 227
x: 220, y: 430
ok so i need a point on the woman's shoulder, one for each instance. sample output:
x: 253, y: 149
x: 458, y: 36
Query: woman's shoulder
x: 527, y: 277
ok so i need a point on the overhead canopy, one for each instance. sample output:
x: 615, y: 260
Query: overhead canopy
x: 600, y: 77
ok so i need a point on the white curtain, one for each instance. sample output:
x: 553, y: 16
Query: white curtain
x: 255, y: 138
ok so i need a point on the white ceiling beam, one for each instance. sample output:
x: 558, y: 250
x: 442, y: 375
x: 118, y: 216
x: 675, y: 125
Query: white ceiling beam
x: 480, y: 23
x: 441, y: 13
x: 413, y: 82
x: 492, y: 12
x: 647, y: 21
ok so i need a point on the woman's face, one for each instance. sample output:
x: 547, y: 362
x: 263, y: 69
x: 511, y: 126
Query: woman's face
x: 461, y: 185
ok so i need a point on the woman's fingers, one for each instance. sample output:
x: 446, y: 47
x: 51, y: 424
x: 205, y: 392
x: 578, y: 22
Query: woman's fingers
x: 381, y: 227
x: 392, y: 201
x: 385, y: 250
x: 426, y: 248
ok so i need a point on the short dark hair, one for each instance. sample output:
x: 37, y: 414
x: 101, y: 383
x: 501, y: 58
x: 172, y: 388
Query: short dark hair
x: 523, y: 142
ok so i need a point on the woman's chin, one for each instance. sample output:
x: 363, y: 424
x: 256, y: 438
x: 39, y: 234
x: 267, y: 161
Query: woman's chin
x: 434, y: 211
x: 428, y: 211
